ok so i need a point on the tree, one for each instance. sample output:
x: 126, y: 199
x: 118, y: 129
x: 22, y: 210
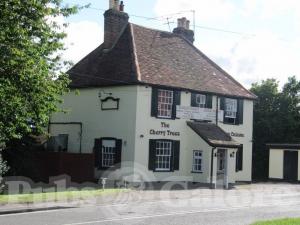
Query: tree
x: 31, y: 77
x: 276, y: 119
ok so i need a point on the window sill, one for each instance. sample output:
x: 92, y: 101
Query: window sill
x: 197, y: 172
x: 163, y: 171
x: 225, y: 123
x: 165, y: 118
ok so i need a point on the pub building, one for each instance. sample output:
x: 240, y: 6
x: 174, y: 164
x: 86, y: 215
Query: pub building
x: 151, y: 99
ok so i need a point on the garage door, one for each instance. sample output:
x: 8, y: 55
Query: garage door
x: 291, y: 165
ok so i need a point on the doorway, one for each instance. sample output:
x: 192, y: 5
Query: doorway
x: 290, y: 171
x: 221, y: 168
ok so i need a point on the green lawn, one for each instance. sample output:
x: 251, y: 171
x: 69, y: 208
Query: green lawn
x: 279, y: 222
x: 57, y: 196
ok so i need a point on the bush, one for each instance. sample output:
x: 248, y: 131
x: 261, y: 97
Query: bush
x: 3, y: 169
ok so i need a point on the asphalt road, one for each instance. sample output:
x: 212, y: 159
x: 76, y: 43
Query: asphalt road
x: 243, y: 205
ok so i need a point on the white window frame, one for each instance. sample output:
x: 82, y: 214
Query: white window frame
x: 165, y: 103
x: 200, y: 100
x: 231, y: 108
x: 197, y: 161
x: 163, y: 155
x: 108, y: 151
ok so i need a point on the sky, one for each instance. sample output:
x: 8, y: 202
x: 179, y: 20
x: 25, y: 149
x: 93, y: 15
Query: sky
x: 251, y: 39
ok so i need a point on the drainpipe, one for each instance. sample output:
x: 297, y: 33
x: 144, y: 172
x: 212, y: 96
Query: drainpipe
x: 217, y: 110
x: 212, y: 166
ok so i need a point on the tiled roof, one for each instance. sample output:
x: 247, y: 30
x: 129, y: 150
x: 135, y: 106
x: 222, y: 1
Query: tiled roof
x: 147, y: 56
x: 213, y: 135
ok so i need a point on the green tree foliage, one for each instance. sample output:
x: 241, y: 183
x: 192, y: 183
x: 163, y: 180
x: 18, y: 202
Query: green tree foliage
x: 276, y: 119
x: 31, y: 78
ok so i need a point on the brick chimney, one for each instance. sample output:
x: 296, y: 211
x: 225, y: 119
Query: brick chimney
x: 183, y: 29
x: 115, y: 20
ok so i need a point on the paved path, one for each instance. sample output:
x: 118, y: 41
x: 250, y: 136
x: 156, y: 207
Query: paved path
x: 240, y: 206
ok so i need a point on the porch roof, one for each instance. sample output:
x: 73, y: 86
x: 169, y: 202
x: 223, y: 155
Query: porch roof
x: 213, y: 135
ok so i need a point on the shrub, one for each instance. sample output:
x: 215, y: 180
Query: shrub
x: 3, y: 169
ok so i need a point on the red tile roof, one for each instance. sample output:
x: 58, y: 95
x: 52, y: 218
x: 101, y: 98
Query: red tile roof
x: 148, y: 56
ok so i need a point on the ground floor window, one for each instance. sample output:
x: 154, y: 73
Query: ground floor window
x: 197, y: 161
x: 108, y: 153
x: 239, y: 159
x: 164, y: 155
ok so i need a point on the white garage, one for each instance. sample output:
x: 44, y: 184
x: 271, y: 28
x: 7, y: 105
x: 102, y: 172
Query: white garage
x: 284, y: 162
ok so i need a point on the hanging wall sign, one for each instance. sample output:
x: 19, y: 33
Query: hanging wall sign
x: 196, y: 113
x: 110, y: 103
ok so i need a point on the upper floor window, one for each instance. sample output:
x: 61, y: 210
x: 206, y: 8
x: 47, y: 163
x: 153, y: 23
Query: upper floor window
x: 201, y: 100
x: 233, y: 110
x: 163, y: 103
x: 230, y: 108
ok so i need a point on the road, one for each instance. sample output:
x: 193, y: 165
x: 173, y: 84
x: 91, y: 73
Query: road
x: 240, y: 206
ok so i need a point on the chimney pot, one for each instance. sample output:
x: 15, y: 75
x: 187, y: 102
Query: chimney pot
x: 122, y: 6
x: 111, y: 4
x: 187, y: 25
x: 116, y: 5
x: 183, y: 29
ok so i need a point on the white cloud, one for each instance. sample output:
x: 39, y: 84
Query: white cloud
x: 251, y: 60
x: 82, y: 38
x: 247, y: 59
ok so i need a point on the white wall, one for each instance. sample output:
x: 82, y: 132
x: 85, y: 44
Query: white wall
x: 132, y: 123
x: 86, y: 108
x: 189, y: 140
x: 247, y: 129
x: 276, y: 164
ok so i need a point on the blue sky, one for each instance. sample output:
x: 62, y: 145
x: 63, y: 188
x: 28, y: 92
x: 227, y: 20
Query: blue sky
x: 271, y: 52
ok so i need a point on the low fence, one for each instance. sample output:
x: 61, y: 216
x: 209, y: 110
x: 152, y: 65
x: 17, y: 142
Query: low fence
x: 80, y: 167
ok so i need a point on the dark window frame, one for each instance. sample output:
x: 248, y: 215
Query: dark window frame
x: 175, y: 155
x: 98, y: 153
x: 154, y: 102
x: 208, y: 100
x: 239, y: 114
x: 239, y: 161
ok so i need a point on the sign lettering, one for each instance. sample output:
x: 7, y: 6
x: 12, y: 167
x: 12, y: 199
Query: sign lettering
x: 188, y: 112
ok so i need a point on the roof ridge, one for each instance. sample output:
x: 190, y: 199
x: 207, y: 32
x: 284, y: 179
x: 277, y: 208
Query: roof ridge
x: 154, y: 29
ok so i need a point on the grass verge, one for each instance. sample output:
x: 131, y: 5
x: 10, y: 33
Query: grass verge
x: 57, y: 196
x: 279, y: 222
